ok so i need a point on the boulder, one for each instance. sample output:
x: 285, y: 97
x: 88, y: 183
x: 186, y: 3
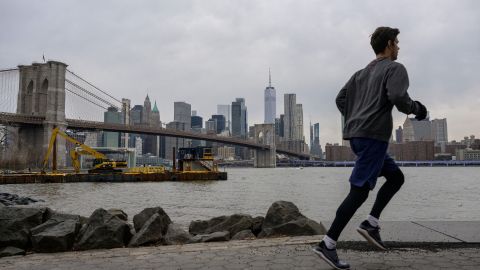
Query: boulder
x: 233, y: 224
x: 212, y: 237
x: 8, y: 199
x: 11, y: 251
x: 201, y: 226
x: 243, y: 235
x: 150, y: 233
x: 16, y: 222
x: 176, y: 235
x: 55, y: 236
x: 58, y: 216
x: 142, y: 217
x: 103, y: 230
x: 257, y: 225
x: 118, y: 213
x: 284, y: 219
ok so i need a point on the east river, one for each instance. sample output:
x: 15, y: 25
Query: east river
x: 439, y: 193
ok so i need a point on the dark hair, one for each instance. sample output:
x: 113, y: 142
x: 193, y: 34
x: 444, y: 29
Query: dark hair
x: 381, y: 36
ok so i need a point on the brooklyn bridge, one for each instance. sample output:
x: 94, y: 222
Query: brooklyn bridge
x: 39, y: 97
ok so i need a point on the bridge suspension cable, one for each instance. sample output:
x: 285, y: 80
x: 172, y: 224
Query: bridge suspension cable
x: 9, y: 89
x: 90, y: 93
x: 94, y: 103
x: 107, y: 94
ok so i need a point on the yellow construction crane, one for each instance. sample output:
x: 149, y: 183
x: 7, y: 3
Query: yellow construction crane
x: 101, y: 162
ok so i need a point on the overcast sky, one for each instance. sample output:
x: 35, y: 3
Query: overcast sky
x: 210, y: 52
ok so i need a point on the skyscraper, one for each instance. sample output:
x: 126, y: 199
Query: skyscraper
x: 315, y: 147
x: 220, y: 122
x: 270, y: 102
x: 182, y: 112
x: 289, y: 101
x: 439, y: 131
x: 112, y: 139
x: 226, y: 110
x: 239, y: 124
x: 239, y: 118
x: 299, y: 122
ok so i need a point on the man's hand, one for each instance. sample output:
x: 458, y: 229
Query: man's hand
x: 421, y: 112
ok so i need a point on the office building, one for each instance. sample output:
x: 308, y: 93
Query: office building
x: 399, y: 134
x: 439, y: 131
x: 315, y: 147
x: 226, y: 110
x: 113, y: 116
x: 290, y: 108
x: 220, y: 122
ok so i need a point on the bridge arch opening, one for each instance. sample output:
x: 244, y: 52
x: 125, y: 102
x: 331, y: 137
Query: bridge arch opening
x: 27, y: 109
x: 41, y: 104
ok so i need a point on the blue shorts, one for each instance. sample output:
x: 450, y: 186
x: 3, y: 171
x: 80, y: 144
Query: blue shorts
x: 372, y: 161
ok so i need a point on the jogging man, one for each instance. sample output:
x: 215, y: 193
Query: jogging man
x: 366, y: 102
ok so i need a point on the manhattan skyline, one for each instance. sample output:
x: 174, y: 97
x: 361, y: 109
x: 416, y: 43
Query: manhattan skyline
x: 210, y: 52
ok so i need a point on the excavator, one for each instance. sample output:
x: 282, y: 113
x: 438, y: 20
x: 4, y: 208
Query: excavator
x: 101, y: 163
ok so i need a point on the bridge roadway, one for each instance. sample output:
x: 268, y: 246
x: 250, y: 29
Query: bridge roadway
x: 21, y: 119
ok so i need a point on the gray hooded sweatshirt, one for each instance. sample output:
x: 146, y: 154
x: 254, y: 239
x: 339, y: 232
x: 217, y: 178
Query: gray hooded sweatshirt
x: 367, y: 99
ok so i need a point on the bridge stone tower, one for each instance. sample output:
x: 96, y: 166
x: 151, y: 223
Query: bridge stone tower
x: 265, y: 134
x: 41, y: 93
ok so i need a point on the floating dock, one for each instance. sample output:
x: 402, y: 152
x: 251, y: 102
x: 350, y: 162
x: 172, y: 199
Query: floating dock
x: 32, y: 178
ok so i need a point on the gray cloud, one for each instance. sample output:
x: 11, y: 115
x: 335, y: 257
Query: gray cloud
x: 209, y: 52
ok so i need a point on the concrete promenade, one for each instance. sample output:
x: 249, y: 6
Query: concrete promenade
x: 426, y: 245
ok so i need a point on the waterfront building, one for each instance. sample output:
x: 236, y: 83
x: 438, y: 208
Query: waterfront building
x: 336, y: 152
x: 270, y: 102
x: 467, y: 154
x: 412, y: 151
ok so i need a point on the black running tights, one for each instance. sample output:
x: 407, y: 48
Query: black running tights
x: 357, y: 197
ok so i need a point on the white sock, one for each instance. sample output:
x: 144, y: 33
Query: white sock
x: 372, y: 220
x: 329, y: 242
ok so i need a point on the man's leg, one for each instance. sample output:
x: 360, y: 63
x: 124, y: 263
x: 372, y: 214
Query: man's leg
x: 395, y: 179
x: 327, y: 248
x: 347, y: 209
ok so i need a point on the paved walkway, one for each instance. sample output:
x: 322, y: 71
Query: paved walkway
x: 281, y: 253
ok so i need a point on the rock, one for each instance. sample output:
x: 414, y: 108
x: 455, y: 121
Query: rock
x: 103, y: 230
x: 234, y: 224
x: 201, y: 226
x: 55, y: 236
x: 58, y: 216
x: 243, y: 235
x: 176, y: 235
x: 16, y: 222
x: 142, y: 217
x: 213, y: 237
x: 8, y: 199
x: 257, y: 225
x: 284, y: 219
x: 11, y: 251
x: 150, y: 233
x: 118, y: 213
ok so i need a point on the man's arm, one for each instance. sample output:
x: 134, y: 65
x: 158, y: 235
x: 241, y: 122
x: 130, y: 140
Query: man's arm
x: 342, y: 95
x: 397, y: 85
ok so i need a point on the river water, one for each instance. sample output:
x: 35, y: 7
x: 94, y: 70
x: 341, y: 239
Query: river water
x: 439, y: 193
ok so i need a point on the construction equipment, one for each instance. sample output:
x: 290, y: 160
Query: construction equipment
x: 101, y: 163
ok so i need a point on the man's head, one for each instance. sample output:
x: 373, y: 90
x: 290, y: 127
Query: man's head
x: 385, y: 43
